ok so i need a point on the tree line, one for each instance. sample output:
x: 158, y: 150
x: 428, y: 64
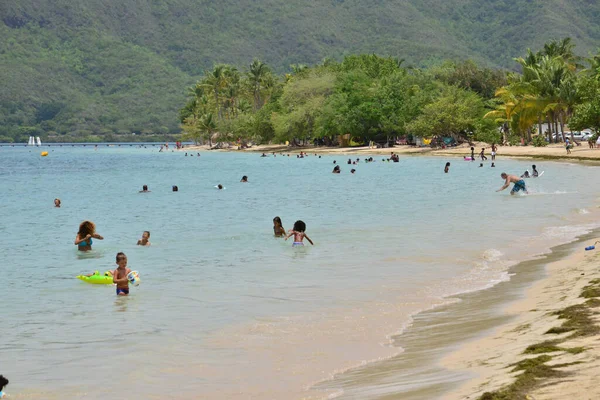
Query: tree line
x: 372, y: 98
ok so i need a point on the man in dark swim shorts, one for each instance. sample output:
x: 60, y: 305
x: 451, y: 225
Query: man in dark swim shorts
x: 519, y: 183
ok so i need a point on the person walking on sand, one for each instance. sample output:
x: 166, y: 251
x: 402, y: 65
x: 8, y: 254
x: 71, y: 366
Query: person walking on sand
x: 483, y: 157
x: 519, y: 183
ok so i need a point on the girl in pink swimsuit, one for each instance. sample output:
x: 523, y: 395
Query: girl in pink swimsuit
x: 299, y: 235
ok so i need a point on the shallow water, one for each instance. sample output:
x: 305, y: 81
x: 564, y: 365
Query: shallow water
x: 225, y: 310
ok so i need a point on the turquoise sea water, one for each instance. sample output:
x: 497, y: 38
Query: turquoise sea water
x: 225, y: 310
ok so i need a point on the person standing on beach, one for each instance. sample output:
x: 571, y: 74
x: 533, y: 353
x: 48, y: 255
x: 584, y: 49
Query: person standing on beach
x: 519, y: 183
x: 472, y: 153
x: 493, y: 151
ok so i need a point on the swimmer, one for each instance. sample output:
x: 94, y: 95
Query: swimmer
x: 219, y: 186
x: 145, y: 240
x: 120, y: 275
x: 87, y: 231
x: 299, y: 234
x: 278, y: 229
x: 244, y: 179
x: 447, y: 168
x: 144, y: 189
x: 175, y: 189
x: 480, y: 165
x: 57, y: 203
x: 526, y: 174
x: 336, y: 169
x: 492, y: 166
x: 352, y: 171
x: 3, y: 383
x: 535, y: 172
x: 519, y: 183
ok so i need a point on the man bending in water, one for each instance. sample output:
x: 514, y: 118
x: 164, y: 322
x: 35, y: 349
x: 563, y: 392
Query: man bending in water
x: 519, y: 183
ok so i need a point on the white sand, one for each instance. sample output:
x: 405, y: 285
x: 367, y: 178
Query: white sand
x: 489, y: 357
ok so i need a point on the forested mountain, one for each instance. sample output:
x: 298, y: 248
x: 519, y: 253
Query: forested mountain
x: 75, y: 69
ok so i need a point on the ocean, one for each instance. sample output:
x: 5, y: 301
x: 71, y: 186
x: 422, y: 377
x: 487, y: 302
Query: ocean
x: 225, y: 310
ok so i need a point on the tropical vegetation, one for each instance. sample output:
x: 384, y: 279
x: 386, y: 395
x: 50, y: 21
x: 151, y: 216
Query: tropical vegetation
x: 105, y: 69
x: 368, y: 98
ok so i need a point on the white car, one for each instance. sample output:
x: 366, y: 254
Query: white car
x: 583, y: 135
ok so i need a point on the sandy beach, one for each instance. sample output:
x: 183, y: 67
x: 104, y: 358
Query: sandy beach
x: 564, y: 303
x: 550, y: 152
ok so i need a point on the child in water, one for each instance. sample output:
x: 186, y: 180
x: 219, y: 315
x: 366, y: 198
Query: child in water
x: 3, y: 382
x: 145, y: 240
x: 87, y: 231
x: 299, y: 234
x: 57, y: 203
x: 120, y: 275
x: 278, y: 229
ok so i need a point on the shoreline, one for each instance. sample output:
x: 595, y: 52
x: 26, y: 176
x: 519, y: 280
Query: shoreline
x: 551, y: 152
x: 528, y: 333
x: 464, y: 360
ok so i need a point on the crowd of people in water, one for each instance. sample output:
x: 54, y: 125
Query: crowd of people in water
x: 87, y: 229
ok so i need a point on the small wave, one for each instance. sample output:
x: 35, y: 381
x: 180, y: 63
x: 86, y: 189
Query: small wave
x: 566, y: 232
x: 492, y: 255
x: 582, y: 211
x: 335, y: 395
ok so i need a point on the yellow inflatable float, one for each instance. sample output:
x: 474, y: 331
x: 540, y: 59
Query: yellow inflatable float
x: 44, y: 153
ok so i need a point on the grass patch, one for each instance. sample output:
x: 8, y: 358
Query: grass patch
x: 522, y: 328
x: 549, y: 346
x: 545, y: 347
x: 578, y: 319
x: 558, y: 330
x: 593, y: 303
x: 590, y: 291
x: 533, y: 369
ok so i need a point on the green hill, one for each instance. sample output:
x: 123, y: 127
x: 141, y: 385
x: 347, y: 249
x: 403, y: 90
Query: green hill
x: 72, y: 69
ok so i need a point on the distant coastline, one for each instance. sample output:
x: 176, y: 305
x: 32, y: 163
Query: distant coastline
x: 554, y: 152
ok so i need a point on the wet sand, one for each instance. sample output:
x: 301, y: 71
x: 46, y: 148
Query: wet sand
x: 530, y: 318
x: 461, y: 350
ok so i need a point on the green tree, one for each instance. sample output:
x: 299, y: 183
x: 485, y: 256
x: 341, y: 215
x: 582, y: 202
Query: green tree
x: 456, y: 113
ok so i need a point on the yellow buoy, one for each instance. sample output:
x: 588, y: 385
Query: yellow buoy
x: 44, y: 153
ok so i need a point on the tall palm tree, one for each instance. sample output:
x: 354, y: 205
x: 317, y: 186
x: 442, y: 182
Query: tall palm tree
x: 215, y: 81
x: 257, y: 75
x: 207, y: 125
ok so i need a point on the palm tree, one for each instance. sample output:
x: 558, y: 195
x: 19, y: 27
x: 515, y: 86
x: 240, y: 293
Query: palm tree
x: 215, y: 81
x: 207, y: 125
x: 257, y: 75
